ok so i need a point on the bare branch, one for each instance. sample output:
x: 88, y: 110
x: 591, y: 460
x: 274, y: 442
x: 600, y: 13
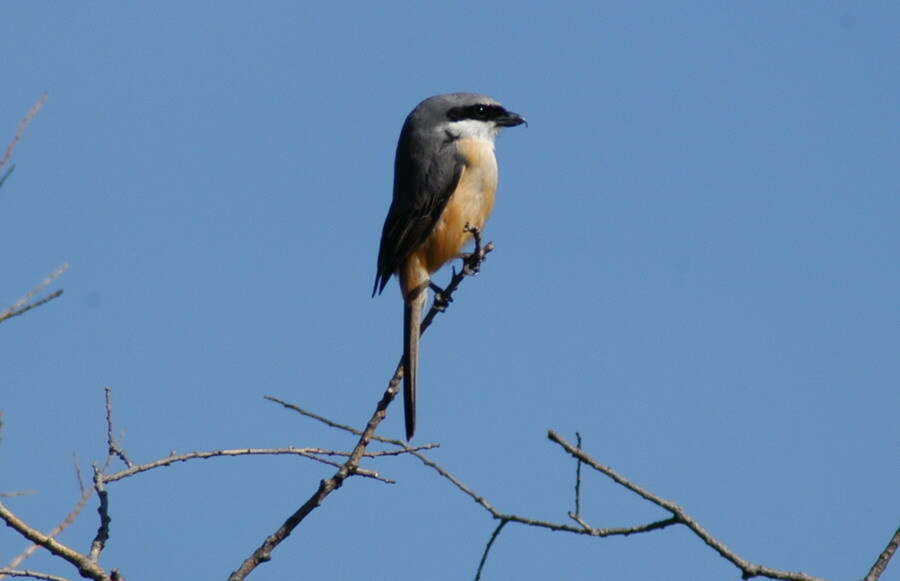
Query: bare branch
x: 85, y: 566
x: 86, y: 494
x: 113, y: 448
x: 23, y: 125
x: 326, y: 487
x: 10, y: 312
x: 576, y: 516
x: 6, y: 174
x: 583, y: 530
x: 487, y: 548
x: 20, y: 306
x: 305, y: 452
x: 679, y: 515
x: 4, y: 571
x: 404, y: 447
x: 351, y: 466
x: 16, y: 493
x: 884, y: 558
x: 317, y: 417
x: 99, y: 542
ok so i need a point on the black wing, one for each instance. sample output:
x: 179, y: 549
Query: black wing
x: 426, y: 173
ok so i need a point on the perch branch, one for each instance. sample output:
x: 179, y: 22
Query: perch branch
x: 263, y: 553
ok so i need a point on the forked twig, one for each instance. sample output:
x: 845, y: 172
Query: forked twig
x: 680, y: 516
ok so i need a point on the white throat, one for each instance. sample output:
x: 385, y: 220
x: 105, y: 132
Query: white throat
x: 486, y: 130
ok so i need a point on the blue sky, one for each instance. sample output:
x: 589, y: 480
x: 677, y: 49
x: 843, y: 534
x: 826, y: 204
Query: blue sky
x: 696, y: 268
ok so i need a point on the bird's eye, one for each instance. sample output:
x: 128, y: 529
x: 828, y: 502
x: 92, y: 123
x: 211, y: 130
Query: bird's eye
x: 480, y: 109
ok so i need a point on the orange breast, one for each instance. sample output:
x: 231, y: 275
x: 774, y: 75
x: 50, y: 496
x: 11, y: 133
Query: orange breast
x: 471, y: 203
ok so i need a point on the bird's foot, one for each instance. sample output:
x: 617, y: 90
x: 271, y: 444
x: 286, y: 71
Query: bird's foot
x: 472, y: 260
x: 441, y: 300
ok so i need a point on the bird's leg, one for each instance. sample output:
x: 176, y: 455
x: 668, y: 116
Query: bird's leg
x: 472, y: 260
x: 441, y: 301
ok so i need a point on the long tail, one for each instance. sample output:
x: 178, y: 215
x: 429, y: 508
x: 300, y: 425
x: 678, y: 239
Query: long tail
x: 412, y: 319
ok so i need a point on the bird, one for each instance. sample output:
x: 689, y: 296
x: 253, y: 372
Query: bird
x: 445, y: 179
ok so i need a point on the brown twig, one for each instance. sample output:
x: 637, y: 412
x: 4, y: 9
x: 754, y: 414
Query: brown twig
x: 113, y: 449
x: 16, y: 493
x: 264, y: 552
x: 404, y: 447
x: 884, y: 558
x: 10, y: 313
x: 86, y: 494
x: 20, y: 306
x: 86, y: 567
x: 680, y: 516
x: 20, y: 131
x: 4, y: 571
x: 326, y: 487
x: 583, y: 530
x: 174, y: 458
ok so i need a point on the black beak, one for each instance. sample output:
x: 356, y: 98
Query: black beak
x: 510, y: 119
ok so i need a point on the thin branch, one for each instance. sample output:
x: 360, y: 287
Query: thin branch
x: 16, y: 493
x: 679, y: 515
x: 317, y: 417
x: 6, y: 174
x: 10, y: 312
x: 112, y: 447
x: 18, y: 308
x: 168, y: 461
x: 326, y: 487
x: 577, y: 514
x: 78, y: 478
x: 85, y: 566
x: 264, y: 552
x: 99, y: 542
x: 404, y: 447
x: 23, y: 125
x: 28, y: 573
x: 86, y: 494
x: 583, y: 530
x: 884, y: 558
x: 487, y: 548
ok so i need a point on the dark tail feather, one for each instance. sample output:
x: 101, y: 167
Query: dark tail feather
x: 412, y: 318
